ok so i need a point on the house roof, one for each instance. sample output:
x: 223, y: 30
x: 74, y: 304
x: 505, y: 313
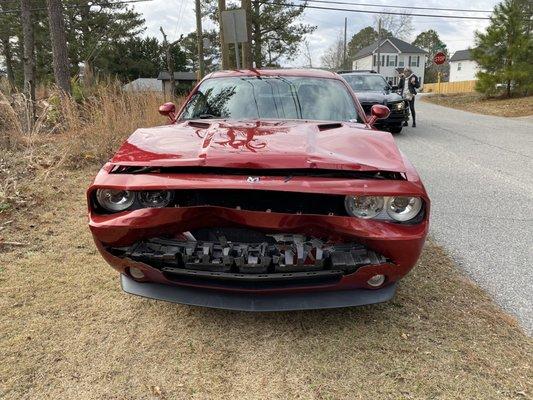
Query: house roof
x: 179, y: 76
x: 401, y: 45
x: 143, y: 85
x: 461, y: 55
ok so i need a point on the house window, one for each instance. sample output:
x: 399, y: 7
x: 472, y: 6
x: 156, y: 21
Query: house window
x: 459, y: 66
x: 400, y: 64
x: 391, y: 61
x: 414, y: 61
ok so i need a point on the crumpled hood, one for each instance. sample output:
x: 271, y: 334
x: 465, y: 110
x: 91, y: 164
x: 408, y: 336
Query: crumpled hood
x: 262, y: 145
x: 378, y: 97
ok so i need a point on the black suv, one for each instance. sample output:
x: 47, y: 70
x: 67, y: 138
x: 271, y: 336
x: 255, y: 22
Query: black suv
x: 372, y: 88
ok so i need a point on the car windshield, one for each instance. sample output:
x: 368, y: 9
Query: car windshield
x: 366, y: 83
x: 271, y: 97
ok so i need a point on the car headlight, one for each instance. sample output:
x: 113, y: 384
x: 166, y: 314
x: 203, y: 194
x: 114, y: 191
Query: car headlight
x: 397, y: 208
x: 155, y: 198
x: 115, y: 200
x: 403, y: 208
x: 364, y: 206
x: 399, y: 106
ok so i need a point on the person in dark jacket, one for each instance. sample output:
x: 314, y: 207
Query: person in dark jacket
x: 411, y: 83
x: 401, y: 83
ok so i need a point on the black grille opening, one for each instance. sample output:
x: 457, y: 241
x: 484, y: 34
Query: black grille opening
x: 263, y: 200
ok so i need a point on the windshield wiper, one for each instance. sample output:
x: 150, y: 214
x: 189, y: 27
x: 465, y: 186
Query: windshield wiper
x: 207, y: 116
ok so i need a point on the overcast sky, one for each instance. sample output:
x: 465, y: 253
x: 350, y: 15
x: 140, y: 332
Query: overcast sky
x: 177, y: 17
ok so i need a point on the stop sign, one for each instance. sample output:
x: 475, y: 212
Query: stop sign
x: 439, y: 58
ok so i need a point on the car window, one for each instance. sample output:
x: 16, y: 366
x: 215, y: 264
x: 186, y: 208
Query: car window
x: 273, y: 97
x: 366, y: 83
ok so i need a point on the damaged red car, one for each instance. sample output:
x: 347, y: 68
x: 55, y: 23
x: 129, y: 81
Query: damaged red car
x: 269, y: 190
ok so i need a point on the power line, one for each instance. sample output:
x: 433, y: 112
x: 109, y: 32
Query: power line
x: 399, y: 6
x: 78, y: 6
x: 377, y: 12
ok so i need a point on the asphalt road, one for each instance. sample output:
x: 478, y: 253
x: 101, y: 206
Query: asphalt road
x: 478, y: 171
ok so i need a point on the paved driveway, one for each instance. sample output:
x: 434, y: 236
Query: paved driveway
x: 478, y: 171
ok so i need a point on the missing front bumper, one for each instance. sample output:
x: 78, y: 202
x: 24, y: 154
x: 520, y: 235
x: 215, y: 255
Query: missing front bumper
x: 273, y: 256
x: 257, y: 302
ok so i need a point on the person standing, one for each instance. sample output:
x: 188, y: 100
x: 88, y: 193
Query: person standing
x: 401, y: 83
x: 411, y: 83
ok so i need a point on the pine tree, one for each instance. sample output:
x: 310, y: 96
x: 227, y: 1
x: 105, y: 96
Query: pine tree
x: 505, y: 51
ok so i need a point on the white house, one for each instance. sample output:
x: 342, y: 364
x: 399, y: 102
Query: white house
x: 395, y: 56
x: 462, y: 66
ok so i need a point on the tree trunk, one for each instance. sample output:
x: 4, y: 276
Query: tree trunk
x: 59, y: 45
x: 8, y: 57
x: 247, y: 46
x: 199, y: 40
x: 224, y: 48
x: 508, y: 89
x: 28, y: 59
x: 256, y: 33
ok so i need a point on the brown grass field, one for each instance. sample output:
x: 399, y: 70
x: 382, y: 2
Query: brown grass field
x: 68, y: 332
x: 474, y: 102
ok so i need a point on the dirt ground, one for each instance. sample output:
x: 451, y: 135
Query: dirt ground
x: 474, y: 102
x: 68, y: 332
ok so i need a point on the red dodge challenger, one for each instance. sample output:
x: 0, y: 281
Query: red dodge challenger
x: 269, y: 190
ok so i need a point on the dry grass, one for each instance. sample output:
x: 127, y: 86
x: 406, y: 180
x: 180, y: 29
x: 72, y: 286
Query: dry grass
x: 474, y: 102
x: 68, y: 332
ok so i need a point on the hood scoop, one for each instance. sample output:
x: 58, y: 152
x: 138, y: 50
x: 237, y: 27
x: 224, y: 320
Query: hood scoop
x: 327, y: 127
x: 198, y: 124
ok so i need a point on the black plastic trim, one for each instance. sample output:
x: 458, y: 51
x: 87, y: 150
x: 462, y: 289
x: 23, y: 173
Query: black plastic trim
x: 257, y: 302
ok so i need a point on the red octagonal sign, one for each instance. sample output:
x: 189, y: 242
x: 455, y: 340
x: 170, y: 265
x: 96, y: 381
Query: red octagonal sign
x: 439, y: 58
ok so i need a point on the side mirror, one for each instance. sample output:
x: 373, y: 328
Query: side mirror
x: 169, y: 110
x: 378, y: 111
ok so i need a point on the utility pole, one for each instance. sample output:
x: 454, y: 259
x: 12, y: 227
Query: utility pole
x: 170, y: 64
x: 379, y: 43
x: 344, y: 46
x: 59, y: 45
x: 200, y: 41
x: 28, y: 60
x: 247, y: 46
x: 224, y: 48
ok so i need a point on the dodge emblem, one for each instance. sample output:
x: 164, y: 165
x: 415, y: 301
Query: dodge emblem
x: 252, y: 179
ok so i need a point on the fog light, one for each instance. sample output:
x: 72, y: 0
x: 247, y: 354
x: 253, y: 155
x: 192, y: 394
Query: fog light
x: 136, y: 273
x: 376, y: 280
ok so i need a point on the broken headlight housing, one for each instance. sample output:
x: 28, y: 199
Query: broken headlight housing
x: 403, y: 208
x: 155, y: 198
x: 364, y: 206
x: 115, y: 200
x: 396, y: 208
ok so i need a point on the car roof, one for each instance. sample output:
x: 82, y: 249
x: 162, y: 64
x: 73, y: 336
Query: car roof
x: 309, y: 73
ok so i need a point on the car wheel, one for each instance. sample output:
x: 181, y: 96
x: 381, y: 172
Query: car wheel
x: 395, y: 129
